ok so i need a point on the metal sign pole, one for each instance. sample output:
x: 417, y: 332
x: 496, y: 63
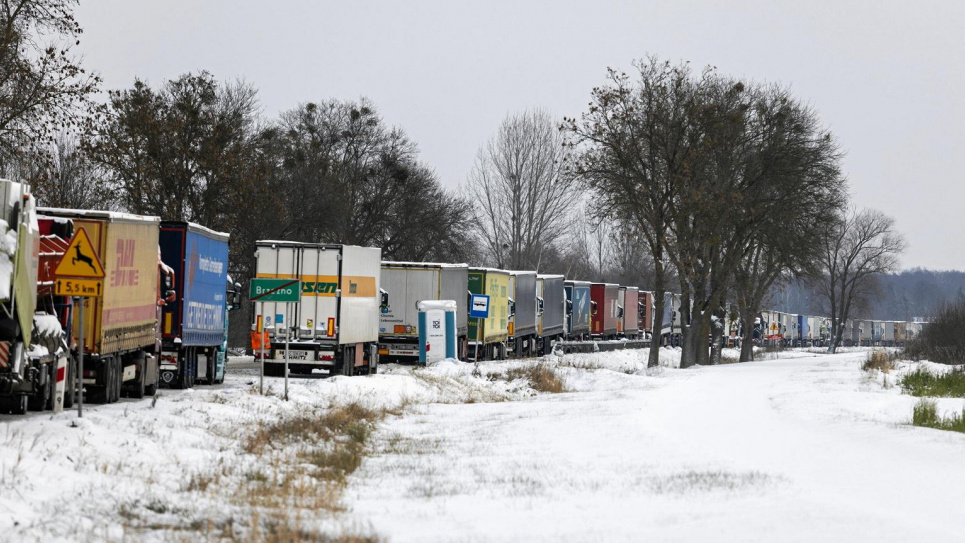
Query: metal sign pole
x: 261, y: 342
x: 80, y: 360
x: 288, y: 336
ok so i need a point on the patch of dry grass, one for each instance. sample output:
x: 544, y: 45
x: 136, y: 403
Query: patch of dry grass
x: 880, y: 360
x: 541, y: 377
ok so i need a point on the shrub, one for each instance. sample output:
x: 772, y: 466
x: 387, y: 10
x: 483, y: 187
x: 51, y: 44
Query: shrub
x: 926, y: 414
x: 941, y: 340
x: 880, y: 360
x: 922, y: 382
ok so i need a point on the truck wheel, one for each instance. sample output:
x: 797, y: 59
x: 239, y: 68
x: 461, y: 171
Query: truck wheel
x: 39, y: 399
x: 137, y: 389
x: 348, y: 361
x: 70, y: 384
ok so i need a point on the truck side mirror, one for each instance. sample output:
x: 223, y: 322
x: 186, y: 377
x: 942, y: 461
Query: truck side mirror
x: 569, y: 307
x: 619, y: 312
x: 539, y: 305
x: 593, y: 307
x: 512, y: 307
x: 384, y: 300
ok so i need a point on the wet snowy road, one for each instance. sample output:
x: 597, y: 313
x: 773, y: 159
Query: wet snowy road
x: 806, y: 449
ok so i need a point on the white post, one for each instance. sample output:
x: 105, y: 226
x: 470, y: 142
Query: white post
x: 288, y: 335
x: 261, y: 342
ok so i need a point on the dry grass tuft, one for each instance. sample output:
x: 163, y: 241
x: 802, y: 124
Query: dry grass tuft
x: 541, y: 377
x: 880, y: 360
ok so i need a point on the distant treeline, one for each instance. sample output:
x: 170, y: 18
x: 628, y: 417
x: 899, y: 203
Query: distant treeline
x: 912, y: 294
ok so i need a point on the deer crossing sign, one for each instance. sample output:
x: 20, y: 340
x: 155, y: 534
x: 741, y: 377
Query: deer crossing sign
x: 79, y: 272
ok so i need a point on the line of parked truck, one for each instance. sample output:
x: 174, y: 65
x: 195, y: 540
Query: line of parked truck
x: 163, y: 317
x: 356, y: 308
x: 160, y: 321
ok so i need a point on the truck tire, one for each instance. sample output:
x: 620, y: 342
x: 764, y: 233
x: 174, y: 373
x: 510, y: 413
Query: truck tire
x: 137, y: 389
x: 39, y: 400
x: 15, y: 404
x: 118, y: 377
x: 70, y: 384
x: 348, y: 361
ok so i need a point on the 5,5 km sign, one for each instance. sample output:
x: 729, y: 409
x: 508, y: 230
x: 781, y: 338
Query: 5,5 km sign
x: 275, y: 290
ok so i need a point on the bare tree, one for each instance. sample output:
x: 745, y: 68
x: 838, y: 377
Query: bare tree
x: 856, y: 248
x: 43, y: 88
x: 633, y: 153
x: 523, y: 191
x: 64, y: 176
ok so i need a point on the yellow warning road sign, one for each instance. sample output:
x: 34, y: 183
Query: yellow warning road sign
x: 80, y: 259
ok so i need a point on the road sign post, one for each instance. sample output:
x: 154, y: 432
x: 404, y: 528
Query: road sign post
x: 479, y: 310
x: 80, y: 275
x: 285, y: 291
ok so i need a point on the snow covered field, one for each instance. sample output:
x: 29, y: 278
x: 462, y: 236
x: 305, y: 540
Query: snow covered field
x: 806, y: 447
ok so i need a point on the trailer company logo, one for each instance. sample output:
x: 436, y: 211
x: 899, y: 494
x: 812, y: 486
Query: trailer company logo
x: 124, y: 274
x: 203, y: 316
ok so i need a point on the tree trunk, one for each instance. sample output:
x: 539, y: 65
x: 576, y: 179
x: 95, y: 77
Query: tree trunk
x: 659, y: 304
x: 717, y: 336
x: 688, y: 350
x: 702, y: 347
x: 747, y: 338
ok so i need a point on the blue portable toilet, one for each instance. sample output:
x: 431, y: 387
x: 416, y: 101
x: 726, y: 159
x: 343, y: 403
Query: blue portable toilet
x: 437, y: 330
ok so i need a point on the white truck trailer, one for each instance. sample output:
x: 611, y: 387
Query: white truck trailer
x: 335, y: 326
x: 407, y: 284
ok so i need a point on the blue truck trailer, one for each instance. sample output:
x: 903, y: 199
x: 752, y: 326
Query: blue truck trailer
x: 193, y: 327
x: 578, y: 309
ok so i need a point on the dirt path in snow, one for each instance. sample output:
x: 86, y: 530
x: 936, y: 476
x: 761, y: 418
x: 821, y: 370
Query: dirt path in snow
x: 791, y: 450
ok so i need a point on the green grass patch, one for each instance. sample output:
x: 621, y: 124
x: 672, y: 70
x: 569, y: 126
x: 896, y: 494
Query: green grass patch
x: 926, y: 415
x: 922, y: 382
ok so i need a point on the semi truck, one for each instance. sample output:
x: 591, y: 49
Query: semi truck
x: 488, y: 337
x: 193, y: 325
x: 335, y: 327
x: 578, y: 309
x: 522, y: 312
x: 121, y: 328
x: 409, y: 283
x: 33, y: 349
x: 551, y: 309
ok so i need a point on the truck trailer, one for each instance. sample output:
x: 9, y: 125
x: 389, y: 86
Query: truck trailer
x: 604, y: 319
x: 630, y: 321
x: 578, y: 309
x: 645, y: 321
x: 522, y: 313
x: 335, y: 326
x: 121, y: 328
x: 488, y: 337
x: 194, y: 324
x: 551, y: 308
x: 407, y: 284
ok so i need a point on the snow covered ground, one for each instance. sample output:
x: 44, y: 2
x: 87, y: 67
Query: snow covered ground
x: 802, y: 447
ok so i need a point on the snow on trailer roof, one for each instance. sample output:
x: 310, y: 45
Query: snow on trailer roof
x: 578, y: 282
x: 520, y: 272
x: 488, y: 270
x: 97, y: 214
x: 550, y: 276
x: 282, y: 243
x: 423, y: 264
x: 197, y: 227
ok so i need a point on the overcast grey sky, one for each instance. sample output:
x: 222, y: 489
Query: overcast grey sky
x: 886, y: 77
